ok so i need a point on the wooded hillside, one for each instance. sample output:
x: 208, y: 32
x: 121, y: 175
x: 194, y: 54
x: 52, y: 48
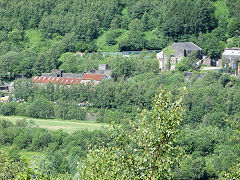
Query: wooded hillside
x: 34, y: 34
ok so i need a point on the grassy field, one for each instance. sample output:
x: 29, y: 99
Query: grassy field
x: 55, y: 124
x: 52, y: 124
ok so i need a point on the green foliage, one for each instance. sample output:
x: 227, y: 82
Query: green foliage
x: 40, y: 108
x: 210, y: 149
x: 23, y: 88
x: 111, y: 116
x: 221, y: 8
x: 53, y: 163
x: 111, y: 37
x: 9, y: 62
x: 153, y: 153
x: 9, y: 169
x: 233, y: 172
x: 102, y: 43
x: 234, y: 27
x: 233, y: 42
x: 192, y: 169
x: 68, y: 63
x: 34, y: 36
x: 65, y: 110
x: 168, y: 51
x: 233, y: 7
x: 188, y: 17
x: 13, y: 154
x: 211, y: 45
x: 61, y: 150
x: 8, y: 109
x: 207, y: 97
x: 134, y: 42
x: 188, y: 63
x: 23, y: 140
x: 123, y: 69
x: 30, y: 173
x: 202, y: 140
x: 183, y: 65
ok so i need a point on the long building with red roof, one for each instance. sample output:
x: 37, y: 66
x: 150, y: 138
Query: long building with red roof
x: 58, y: 76
x: 96, y: 78
x: 44, y: 80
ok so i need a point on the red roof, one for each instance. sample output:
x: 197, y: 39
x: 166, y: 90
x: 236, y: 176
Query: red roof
x: 96, y: 77
x: 39, y: 79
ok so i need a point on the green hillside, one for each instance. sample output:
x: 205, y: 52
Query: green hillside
x: 102, y: 44
x: 221, y: 9
x: 42, y: 31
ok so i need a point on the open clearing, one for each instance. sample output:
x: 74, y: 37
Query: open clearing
x: 55, y: 124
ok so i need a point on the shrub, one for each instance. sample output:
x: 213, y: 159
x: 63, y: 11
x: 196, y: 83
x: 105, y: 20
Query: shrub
x: 8, y: 109
x: 40, y: 108
x: 21, y: 110
x: 66, y: 111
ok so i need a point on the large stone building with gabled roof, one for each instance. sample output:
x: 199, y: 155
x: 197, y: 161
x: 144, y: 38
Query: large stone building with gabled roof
x: 181, y: 49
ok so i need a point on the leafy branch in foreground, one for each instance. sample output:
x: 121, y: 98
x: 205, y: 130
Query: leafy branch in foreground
x: 146, y: 150
x: 234, y: 171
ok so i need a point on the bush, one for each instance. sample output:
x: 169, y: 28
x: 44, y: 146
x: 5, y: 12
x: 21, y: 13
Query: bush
x: 53, y: 163
x: 192, y: 169
x: 21, y: 109
x: 8, y: 109
x: 24, y: 139
x: 110, y: 116
x: 40, y: 139
x: 40, y: 108
x: 66, y: 111
x: 111, y: 37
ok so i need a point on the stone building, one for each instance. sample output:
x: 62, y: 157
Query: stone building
x: 102, y: 69
x: 231, y: 58
x: 181, y: 49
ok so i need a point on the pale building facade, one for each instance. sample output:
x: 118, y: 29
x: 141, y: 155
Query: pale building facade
x: 182, y: 49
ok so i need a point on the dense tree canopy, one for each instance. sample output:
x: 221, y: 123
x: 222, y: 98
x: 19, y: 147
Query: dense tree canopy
x: 37, y: 36
x: 34, y: 35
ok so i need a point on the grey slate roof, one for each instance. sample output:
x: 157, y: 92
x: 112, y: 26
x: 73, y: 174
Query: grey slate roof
x: 189, y: 46
x: 232, y: 52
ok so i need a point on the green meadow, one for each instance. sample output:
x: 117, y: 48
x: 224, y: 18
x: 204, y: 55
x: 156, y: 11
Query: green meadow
x: 56, y: 124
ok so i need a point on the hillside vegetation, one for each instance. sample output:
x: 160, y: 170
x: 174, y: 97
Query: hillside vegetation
x: 197, y: 119
x: 34, y: 34
x: 168, y: 125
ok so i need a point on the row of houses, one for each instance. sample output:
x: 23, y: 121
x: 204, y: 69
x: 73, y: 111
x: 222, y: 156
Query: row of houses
x: 58, y: 76
x: 230, y: 57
